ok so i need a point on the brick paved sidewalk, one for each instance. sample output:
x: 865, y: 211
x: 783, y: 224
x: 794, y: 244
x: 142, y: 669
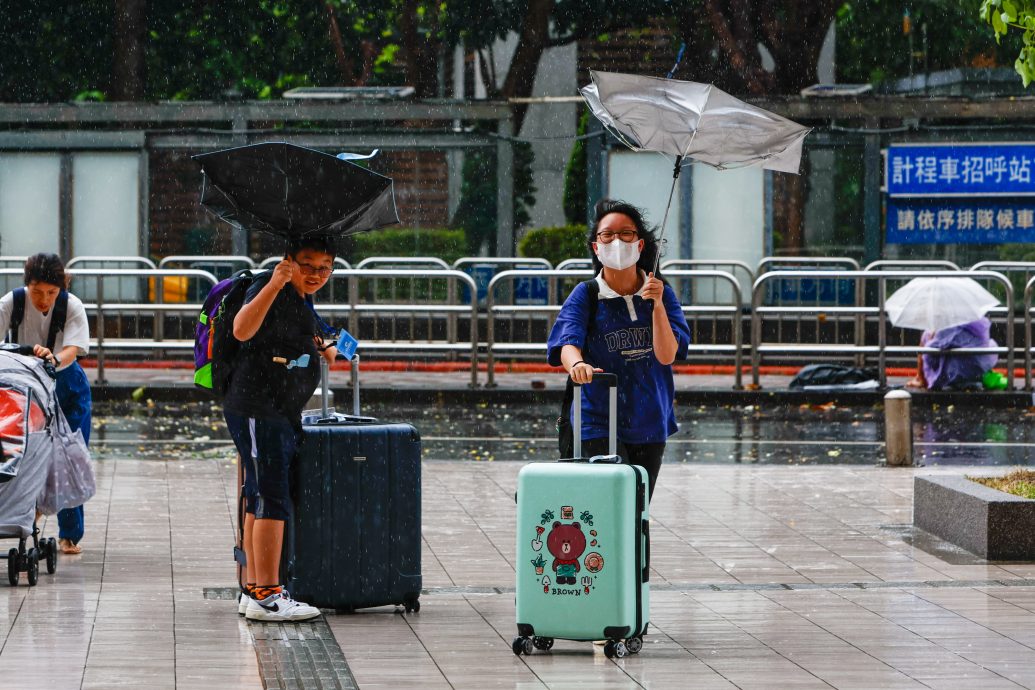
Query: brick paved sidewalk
x: 763, y: 576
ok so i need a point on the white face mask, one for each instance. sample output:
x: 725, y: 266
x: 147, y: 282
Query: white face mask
x: 617, y: 254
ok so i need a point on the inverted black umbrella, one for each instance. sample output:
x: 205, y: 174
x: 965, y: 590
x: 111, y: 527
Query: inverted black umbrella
x: 293, y: 191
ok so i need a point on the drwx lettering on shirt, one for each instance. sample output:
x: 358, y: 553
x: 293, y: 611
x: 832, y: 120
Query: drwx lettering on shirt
x: 626, y: 338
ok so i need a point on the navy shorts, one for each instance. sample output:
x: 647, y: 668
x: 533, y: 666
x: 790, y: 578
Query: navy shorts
x: 267, y: 446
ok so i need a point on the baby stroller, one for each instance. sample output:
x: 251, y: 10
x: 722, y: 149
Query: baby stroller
x: 30, y: 439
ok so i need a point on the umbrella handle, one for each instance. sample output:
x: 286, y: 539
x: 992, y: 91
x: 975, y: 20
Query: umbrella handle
x: 664, y: 220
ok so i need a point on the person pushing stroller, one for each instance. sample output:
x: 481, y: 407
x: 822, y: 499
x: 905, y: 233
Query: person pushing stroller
x: 44, y: 315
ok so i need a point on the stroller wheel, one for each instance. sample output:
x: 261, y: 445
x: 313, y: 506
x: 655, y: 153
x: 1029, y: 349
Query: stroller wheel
x: 12, y: 567
x: 33, y: 562
x: 51, y: 552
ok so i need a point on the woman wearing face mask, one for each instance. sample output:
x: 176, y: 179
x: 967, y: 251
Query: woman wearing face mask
x: 636, y: 331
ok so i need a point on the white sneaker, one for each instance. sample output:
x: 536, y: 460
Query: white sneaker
x: 279, y: 607
x: 243, y: 599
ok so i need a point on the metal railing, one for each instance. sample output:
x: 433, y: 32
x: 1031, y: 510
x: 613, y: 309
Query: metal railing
x: 274, y: 260
x: 575, y: 265
x: 397, y: 261
x: 431, y: 324
x: 1029, y: 288
x: 146, y: 313
x: 82, y: 261
x: 537, y: 320
x: 815, y: 263
x: 911, y: 265
x: 413, y: 307
x: 826, y: 344
x: 533, y: 262
x: 739, y: 269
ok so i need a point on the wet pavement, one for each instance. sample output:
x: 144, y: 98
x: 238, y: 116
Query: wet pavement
x: 762, y: 576
x: 782, y: 556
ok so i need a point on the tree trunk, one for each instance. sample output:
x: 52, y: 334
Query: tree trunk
x: 535, y: 33
x: 130, y: 34
x: 797, y: 54
x: 421, y: 53
x: 788, y: 214
x: 732, y: 25
x: 345, y: 67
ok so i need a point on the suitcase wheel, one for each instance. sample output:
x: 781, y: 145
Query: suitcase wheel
x: 542, y: 643
x: 615, y: 650
x: 412, y: 605
x: 634, y: 645
x: 522, y: 645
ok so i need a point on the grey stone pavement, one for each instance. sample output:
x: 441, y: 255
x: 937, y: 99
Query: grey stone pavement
x: 763, y: 577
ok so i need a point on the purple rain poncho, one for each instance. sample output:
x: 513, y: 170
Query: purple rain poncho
x: 943, y: 371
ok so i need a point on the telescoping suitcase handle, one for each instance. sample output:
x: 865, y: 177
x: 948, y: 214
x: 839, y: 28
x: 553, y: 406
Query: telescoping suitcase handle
x: 327, y: 414
x: 612, y: 418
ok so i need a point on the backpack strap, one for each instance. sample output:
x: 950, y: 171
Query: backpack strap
x: 57, y: 319
x: 593, y: 292
x: 17, y: 314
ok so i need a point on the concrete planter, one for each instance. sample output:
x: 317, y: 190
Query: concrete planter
x: 992, y: 524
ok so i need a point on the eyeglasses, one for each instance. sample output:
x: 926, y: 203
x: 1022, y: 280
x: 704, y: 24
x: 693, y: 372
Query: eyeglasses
x: 310, y: 270
x: 625, y: 236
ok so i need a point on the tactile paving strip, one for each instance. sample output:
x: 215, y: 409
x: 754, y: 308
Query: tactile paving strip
x: 300, y: 656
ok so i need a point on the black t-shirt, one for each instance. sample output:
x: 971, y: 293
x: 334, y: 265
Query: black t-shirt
x: 260, y: 387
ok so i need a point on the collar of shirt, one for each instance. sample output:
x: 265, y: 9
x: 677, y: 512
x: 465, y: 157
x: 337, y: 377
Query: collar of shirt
x: 606, y: 292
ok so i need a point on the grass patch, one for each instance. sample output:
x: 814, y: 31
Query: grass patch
x: 1019, y: 483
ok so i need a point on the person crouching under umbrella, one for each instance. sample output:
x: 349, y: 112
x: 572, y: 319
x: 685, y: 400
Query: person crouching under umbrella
x: 955, y: 371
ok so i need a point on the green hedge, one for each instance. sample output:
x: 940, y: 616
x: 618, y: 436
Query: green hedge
x: 448, y: 245
x: 555, y: 244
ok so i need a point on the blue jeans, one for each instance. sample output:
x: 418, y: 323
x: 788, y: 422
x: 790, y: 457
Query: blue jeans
x: 73, y: 394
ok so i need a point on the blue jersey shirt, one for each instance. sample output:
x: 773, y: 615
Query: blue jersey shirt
x: 622, y: 342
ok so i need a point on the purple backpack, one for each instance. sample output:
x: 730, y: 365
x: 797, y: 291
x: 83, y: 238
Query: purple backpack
x: 214, y: 342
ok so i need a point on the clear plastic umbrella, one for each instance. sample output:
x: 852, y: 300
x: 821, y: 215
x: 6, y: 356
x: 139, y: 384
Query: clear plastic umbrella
x: 931, y: 304
x: 690, y: 120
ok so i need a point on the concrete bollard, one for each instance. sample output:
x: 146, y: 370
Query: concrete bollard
x: 898, y: 429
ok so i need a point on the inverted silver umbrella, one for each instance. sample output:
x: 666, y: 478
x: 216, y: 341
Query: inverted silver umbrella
x: 690, y: 120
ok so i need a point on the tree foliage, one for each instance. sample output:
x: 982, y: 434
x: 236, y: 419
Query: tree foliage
x: 872, y: 46
x: 1015, y: 15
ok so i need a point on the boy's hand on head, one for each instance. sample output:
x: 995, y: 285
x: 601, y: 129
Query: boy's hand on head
x: 282, y: 273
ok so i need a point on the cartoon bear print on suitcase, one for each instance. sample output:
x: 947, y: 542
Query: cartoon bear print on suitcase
x: 567, y: 543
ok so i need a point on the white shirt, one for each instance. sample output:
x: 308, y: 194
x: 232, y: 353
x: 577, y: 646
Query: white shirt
x: 606, y: 292
x: 36, y: 326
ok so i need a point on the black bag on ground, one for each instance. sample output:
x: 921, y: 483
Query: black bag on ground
x: 831, y: 375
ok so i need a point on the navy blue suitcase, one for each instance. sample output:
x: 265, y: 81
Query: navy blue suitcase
x: 356, y: 529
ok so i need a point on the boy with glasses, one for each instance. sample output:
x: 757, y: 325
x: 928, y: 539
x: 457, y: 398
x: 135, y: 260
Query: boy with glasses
x: 273, y: 378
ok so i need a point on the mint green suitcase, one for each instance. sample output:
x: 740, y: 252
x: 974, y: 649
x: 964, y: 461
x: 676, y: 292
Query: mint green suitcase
x: 583, y: 548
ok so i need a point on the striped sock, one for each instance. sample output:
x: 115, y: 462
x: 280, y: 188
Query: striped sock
x: 265, y: 591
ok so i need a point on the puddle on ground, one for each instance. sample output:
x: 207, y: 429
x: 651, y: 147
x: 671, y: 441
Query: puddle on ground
x: 781, y: 434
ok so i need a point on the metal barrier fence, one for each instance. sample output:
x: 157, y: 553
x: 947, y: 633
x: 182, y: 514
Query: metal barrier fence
x: 1029, y: 288
x: 137, y: 324
x: 431, y: 310
x: 528, y: 325
x: 828, y: 339
x: 431, y: 321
